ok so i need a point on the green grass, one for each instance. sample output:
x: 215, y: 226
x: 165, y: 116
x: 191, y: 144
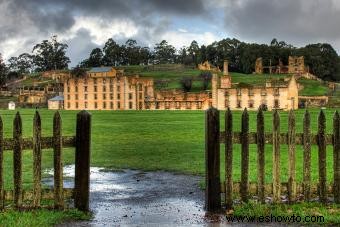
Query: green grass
x: 40, y: 217
x: 312, y: 88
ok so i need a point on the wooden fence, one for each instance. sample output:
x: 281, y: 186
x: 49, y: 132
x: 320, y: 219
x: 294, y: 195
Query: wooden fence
x: 33, y: 199
x: 214, y: 137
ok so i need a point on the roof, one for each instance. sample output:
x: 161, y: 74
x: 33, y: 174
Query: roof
x: 100, y: 69
x: 57, y: 98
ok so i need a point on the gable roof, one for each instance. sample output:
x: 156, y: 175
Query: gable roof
x: 100, y: 69
x: 57, y: 98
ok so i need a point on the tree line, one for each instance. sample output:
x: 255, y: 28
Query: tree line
x: 322, y: 59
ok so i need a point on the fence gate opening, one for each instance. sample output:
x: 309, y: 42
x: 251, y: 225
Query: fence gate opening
x: 244, y: 188
x: 81, y: 141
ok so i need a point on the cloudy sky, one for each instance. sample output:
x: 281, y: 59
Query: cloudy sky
x: 86, y: 24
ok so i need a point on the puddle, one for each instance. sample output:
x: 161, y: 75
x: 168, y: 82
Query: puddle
x: 133, y: 197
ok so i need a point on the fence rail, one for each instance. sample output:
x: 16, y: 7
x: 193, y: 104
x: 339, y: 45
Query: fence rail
x: 214, y: 137
x: 21, y: 198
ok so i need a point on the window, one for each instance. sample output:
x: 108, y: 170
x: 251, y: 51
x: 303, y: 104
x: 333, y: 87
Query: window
x: 85, y: 104
x: 68, y: 105
x: 178, y: 105
x: 95, y: 80
x: 111, y: 105
x: 85, y: 96
x: 238, y: 104
x: 276, y: 91
x: 140, y: 105
x: 140, y: 95
x: 68, y: 97
x: 68, y: 89
x: 76, y: 96
x: 95, y: 88
x: 130, y: 95
x: 276, y: 103
x: 104, y: 105
x: 251, y: 104
x: 95, y: 105
x: 140, y: 87
x: 226, y: 103
x: 111, y: 81
x: 226, y: 93
x: 199, y: 105
x: 111, y: 96
x: 104, y: 81
x: 130, y: 105
x: 250, y: 92
x: 239, y: 92
x: 263, y: 92
x: 188, y: 105
x: 167, y: 105
x: 85, y: 81
x: 118, y: 105
x: 157, y: 105
x: 111, y: 88
x: 118, y: 88
x: 85, y: 88
x: 104, y: 88
x: 118, y: 96
x: 104, y: 96
x: 95, y: 96
x: 76, y: 88
x: 77, y: 105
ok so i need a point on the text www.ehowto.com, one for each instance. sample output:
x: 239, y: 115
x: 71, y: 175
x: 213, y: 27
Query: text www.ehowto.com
x: 279, y: 219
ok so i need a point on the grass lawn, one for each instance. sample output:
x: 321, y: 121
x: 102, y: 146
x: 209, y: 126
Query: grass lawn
x: 156, y: 140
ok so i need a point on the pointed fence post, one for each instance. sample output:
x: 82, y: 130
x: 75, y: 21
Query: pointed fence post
x: 212, y: 158
x: 82, y: 160
x: 58, y: 166
x: 2, y: 198
x: 291, y: 157
x: 244, y: 156
x: 322, y: 157
x: 336, y: 156
x: 36, y: 160
x: 17, y: 160
x: 306, y: 156
x: 228, y: 159
x: 260, y: 156
x: 276, y: 158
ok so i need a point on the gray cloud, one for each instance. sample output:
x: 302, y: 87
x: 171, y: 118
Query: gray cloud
x: 297, y: 21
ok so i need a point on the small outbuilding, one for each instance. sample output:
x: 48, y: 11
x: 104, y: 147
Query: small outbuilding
x: 11, y: 105
x: 56, y: 103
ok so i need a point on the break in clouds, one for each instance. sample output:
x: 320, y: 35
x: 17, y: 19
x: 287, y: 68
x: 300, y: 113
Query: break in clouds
x: 86, y: 24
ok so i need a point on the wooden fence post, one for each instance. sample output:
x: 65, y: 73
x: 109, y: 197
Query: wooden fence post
x: 212, y: 158
x: 244, y: 156
x: 260, y: 155
x: 82, y: 160
x: 2, y: 199
x: 58, y: 166
x: 336, y: 156
x: 36, y: 160
x: 322, y: 157
x: 17, y: 160
x: 306, y: 156
x: 228, y: 159
x: 276, y: 158
x: 291, y: 157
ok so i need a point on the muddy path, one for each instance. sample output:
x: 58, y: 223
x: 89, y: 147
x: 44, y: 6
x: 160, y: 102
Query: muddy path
x: 133, y: 197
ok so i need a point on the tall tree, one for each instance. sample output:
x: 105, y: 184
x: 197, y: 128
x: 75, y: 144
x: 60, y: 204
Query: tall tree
x: 112, y: 53
x: 164, y: 52
x: 22, y: 64
x: 3, y: 71
x: 96, y: 58
x: 50, y: 55
x: 193, y: 52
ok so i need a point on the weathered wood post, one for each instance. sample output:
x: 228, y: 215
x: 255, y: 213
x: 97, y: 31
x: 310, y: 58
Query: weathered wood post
x: 2, y: 199
x: 276, y: 158
x: 58, y: 166
x: 82, y: 161
x: 260, y: 156
x: 17, y: 160
x: 36, y: 160
x: 336, y: 156
x: 228, y: 160
x: 291, y: 157
x: 306, y: 156
x: 244, y: 156
x: 322, y: 157
x: 212, y: 158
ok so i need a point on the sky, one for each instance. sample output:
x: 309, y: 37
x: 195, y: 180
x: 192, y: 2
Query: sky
x: 86, y: 24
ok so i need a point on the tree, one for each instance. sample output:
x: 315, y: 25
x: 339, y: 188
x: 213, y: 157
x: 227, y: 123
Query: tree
x: 164, y: 52
x: 186, y: 83
x: 22, y: 64
x: 78, y: 72
x: 3, y: 71
x: 112, y: 53
x: 193, y: 52
x: 96, y: 58
x: 50, y: 55
x: 206, y: 78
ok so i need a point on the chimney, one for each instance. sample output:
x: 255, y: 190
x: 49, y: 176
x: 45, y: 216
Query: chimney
x: 225, y: 68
